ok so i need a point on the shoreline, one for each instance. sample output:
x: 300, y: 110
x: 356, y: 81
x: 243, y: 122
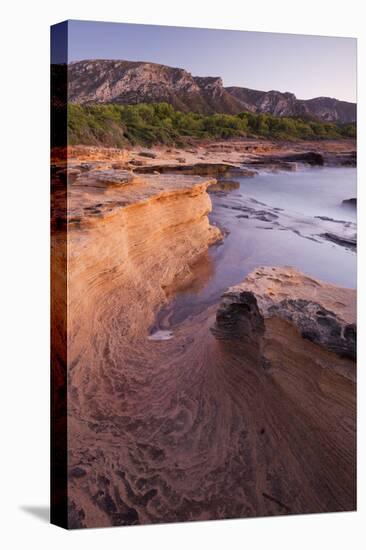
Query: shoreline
x: 235, y: 150
x: 199, y: 426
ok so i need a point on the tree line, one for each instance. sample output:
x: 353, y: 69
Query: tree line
x: 148, y: 124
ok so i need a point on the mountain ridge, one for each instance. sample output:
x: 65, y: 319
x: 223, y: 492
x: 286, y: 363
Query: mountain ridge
x: 124, y: 82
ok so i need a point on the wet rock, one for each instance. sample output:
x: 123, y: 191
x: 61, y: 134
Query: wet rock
x: 348, y: 241
x: 350, y: 202
x: 242, y: 172
x: 313, y: 158
x: 160, y: 335
x: 265, y: 216
x: 327, y: 219
x: 321, y: 313
x: 345, y: 158
x: 223, y: 185
x: 319, y: 325
x: 239, y: 318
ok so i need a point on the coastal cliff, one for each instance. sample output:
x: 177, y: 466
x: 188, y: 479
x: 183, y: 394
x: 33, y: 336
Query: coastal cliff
x: 133, y: 235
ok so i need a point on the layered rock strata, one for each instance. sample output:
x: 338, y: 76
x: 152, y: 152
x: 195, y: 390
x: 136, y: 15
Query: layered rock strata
x: 260, y: 421
x: 321, y: 313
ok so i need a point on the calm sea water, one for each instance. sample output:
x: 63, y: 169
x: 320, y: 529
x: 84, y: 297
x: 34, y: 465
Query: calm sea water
x: 289, y: 233
x: 310, y: 192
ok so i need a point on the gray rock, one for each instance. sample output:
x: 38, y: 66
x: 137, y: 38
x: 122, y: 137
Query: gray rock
x: 286, y: 294
x: 350, y: 202
x: 148, y: 154
x: 319, y: 325
x: 347, y: 241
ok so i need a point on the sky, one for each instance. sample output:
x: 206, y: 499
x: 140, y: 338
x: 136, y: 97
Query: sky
x: 308, y: 66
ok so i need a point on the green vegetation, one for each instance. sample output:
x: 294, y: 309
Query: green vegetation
x: 147, y: 124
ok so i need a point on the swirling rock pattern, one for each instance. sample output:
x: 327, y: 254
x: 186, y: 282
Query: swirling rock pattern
x: 193, y: 427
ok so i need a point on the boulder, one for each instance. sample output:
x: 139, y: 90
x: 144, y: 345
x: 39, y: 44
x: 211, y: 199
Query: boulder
x: 322, y: 313
x: 223, y: 185
x: 147, y: 154
x: 350, y: 202
x: 106, y: 178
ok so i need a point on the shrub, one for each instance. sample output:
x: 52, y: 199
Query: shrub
x: 117, y: 125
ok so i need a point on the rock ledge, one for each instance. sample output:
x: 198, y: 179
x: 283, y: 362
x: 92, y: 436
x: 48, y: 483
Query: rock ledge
x: 322, y: 313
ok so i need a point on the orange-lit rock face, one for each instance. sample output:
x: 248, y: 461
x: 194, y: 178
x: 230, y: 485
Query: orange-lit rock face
x: 128, y: 242
x: 194, y: 426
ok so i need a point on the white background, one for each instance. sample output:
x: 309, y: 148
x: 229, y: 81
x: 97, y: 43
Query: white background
x: 24, y: 211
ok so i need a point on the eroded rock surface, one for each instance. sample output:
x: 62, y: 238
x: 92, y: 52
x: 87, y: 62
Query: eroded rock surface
x: 348, y: 241
x: 193, y: 426
x: 322, y: 313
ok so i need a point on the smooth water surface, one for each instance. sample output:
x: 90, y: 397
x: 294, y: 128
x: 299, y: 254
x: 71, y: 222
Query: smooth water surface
x: 272, y: 220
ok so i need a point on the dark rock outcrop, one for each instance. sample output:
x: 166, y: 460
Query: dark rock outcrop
x: 223, y: 186
x: 319, y: 325
x: 239, y: 317
x: 343, y: 158
x: 198, y: 169
x: 288, y: 162
x: 286, y: 294
x: 348, y: 241
x: 350, y: 202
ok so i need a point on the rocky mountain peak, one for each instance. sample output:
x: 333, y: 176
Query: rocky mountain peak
x: 120, y: 81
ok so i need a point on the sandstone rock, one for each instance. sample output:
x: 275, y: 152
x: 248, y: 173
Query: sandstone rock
x: 239, y: 317
x: 119, y: 165
x: 147, y: 154
x: 107, y: 178
x: 223, y: 185
x: 321, y: 313
x: 197, y: 169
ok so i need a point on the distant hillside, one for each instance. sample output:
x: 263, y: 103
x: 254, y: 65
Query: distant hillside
x: 151, y: 123
x: 286, y: 104
x: 130, y: 82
